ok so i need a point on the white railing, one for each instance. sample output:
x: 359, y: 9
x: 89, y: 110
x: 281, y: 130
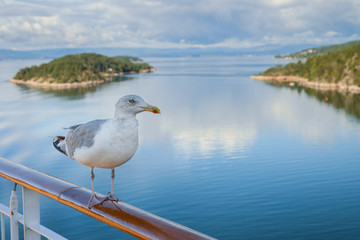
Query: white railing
x: 33, y: 230
x: 120, y: 215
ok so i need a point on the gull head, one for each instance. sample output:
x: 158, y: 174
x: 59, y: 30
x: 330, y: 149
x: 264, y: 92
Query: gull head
x: 133, y: 104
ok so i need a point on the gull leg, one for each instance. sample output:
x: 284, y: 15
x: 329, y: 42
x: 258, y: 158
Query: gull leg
x: 111, y: 195
x: 92, y: 176
x: 93, y: 199
x: 112, y: 180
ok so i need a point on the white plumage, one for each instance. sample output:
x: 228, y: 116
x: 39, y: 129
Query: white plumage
x: 106, y: 143
x: 114, y: 144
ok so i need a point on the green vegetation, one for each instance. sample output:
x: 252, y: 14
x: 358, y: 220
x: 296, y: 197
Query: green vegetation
x: 333, y: 67
x: 318, y: 51
x: 79, y: 68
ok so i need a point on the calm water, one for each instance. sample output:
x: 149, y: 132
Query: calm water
x: 228, y: 156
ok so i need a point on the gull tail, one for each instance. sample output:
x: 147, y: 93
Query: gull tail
x: 59, y: 144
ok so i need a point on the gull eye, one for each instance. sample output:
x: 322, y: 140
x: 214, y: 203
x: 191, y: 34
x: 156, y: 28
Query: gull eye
x: 132, y: 101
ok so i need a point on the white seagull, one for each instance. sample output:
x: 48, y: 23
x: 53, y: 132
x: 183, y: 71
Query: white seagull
x: 106, y: 143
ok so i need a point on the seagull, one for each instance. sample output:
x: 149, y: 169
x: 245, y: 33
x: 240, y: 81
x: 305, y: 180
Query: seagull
x: 105, y: 143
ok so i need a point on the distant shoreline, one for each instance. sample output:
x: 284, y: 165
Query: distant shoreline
x: 48, y: 85
x: 322, y: 86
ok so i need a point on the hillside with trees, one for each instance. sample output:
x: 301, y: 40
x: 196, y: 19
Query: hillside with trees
x: 339, y: 67
x: 310, y: 52
x: 79, y: 68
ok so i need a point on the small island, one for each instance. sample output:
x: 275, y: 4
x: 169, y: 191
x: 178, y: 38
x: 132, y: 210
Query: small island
x: 79, y: 70
x: 337, y: 71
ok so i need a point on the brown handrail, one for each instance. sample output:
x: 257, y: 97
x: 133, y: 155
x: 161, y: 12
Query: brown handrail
x: 120, y: 215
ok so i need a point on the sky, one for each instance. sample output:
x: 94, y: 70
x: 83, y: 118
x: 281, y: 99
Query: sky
x: 44, y: 24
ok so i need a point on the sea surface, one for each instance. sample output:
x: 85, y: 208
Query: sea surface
x: 229, y: 156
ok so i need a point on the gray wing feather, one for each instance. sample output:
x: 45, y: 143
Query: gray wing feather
x: 82, y: 135
x: 74, y: 127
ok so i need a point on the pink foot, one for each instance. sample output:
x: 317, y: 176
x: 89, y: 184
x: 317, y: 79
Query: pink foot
x: 94, y: 200
x: 111, y: 197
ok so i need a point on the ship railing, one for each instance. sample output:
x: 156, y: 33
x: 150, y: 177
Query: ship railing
x: 120, y: 215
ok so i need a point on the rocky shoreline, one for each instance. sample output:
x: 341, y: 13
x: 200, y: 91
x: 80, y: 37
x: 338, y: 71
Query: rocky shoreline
x: 322, y: 86
x: 56, y: 86
x: 48, y: 84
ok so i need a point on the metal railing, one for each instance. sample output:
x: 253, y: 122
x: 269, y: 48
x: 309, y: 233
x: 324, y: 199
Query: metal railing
x: 120, y: 215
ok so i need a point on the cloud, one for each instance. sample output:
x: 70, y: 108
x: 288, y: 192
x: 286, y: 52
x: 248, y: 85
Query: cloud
x: 159, y: 23
x: 331, y: 34
x: 279, y: 2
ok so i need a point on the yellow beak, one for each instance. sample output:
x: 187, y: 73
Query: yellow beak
x: 152, y: 109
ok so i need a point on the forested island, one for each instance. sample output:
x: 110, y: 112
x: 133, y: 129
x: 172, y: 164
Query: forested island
x: 79, y: 70
x: 338, y: 70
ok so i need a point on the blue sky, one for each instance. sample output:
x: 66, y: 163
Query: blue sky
x: 42, y: 24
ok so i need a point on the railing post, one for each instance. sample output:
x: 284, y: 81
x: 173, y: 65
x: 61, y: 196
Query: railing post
x: 14, y: 223
x: 31, y: 213
x: 2, y: 227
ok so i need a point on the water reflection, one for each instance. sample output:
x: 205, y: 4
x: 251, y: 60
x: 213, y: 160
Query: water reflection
x: 349, y: 102
x: 231, y: 142
x: 76, y: 93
